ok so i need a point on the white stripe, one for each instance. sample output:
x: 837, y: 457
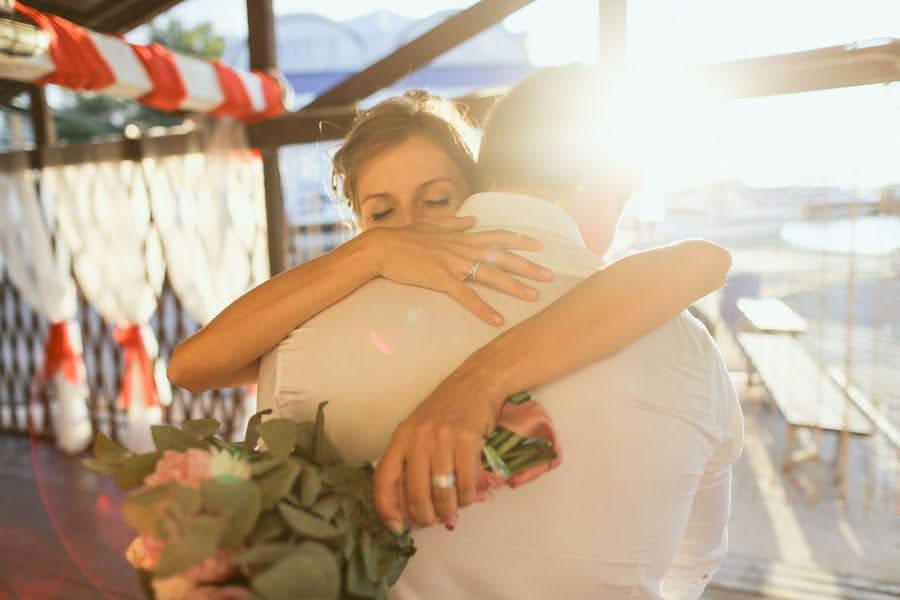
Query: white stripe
x: 132, y: 80
x: 203, y: 91
x: 254, y: 89
x: 25, y: 68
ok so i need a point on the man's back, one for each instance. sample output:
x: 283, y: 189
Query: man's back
x: 641, y: 432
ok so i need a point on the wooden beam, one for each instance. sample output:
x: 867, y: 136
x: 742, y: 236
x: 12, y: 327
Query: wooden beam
x: 613, y: 33
x: 860, y: 63
x: 419, y: 52
x: 263, y: 57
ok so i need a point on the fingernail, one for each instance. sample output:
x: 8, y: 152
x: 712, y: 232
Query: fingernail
x: 496, y: 319
x: 547, y: 273
x: 398, y: 528
x: 531, y: 292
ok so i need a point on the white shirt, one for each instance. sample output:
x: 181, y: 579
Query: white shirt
x: 638, y: 507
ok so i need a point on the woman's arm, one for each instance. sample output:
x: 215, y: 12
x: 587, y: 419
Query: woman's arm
x: 593, y: 321
x: 436, y: 255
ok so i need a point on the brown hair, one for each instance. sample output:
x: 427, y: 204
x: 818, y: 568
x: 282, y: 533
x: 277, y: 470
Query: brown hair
x: 392, y: 121
x: 538, y: 134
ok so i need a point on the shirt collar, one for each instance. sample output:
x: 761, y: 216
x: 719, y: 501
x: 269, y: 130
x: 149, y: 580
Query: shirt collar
x: 506, y: 209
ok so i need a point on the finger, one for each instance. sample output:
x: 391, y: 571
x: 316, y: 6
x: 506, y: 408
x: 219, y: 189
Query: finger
x: 518, y: 265
x: 466, y: 457
x: 469, y: 299
x: 506, y: 283
x: 449, y: 223
x: 442, y: 464
x: 388, y: 476
x: 418, y: 482
x: 501, y: 238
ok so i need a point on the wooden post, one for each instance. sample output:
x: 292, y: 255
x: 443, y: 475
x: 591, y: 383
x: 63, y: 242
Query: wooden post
x: 613, y: 33
x: 263, y: 56
x: 41, y: 118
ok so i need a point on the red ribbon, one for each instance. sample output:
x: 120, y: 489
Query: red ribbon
x: 79, y: 65
x: 237, y: 102
x: 136, y: 358
x: 169, y: 90
x: 60, y: 355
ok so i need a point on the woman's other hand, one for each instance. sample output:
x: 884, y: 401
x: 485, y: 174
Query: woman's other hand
x: 439, y: 255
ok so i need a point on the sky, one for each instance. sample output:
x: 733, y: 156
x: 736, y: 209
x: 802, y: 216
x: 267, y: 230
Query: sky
x: 836, y: 136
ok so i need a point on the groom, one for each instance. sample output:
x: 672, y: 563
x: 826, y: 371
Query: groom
x: 639, y: 506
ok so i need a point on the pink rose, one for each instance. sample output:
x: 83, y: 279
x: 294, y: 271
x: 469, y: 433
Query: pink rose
x: 216, y: 568
x: 228, y: 592
x: 144, y: 552
x: 189, y: 468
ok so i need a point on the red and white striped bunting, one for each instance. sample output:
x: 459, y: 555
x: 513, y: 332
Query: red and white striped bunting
x: 85, y: 60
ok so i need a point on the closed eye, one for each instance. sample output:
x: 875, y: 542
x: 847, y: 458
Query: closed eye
x: 438, y: 202
x: 381, y: 215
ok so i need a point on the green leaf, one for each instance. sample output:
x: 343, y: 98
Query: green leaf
x: 310, y: 486
x: 269, y: 526
x: 358, y: 582
x: 368, y: 553
x: 252, y: 436
x: 198, y: 541
x: 167, y: 437
x: 262, y: 554
x: 344, y: 478
x: 308, y: 524
x: 143, y: 508
x: 279, y: 436
x: 133, y: 471
x: 238, y: 501
x: 306, y: 439
x: 108, y: 452
x: 277, y: 483
x: 311, y: 572
x: 319, y: 439
x: 263, y: 466
x: 202, y: 428
x: 327, y: 506
x: 95, y: 465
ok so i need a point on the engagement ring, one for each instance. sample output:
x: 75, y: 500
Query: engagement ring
x: 474, y: 270
x: 443, y: 481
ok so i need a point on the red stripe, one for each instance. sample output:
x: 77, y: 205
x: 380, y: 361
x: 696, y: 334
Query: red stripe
x: 79, y: 65
x: 272, y: 94
x: 169, y: 90
x: 237, y: 102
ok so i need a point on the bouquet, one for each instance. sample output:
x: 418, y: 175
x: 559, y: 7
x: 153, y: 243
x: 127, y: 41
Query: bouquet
x: 219, y: 521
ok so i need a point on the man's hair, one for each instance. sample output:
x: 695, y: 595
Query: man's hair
x: 548, y: 131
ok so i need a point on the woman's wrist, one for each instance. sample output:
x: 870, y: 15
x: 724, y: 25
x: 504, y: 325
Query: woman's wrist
x: 365, y: 251
x: 492, y: 371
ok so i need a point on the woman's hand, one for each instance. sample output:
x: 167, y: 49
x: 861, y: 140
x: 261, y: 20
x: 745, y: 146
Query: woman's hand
x: 444, y: 436
x: 439, y: 255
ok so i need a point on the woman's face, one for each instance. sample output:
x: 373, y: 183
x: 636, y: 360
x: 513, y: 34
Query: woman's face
x: 407, y: 182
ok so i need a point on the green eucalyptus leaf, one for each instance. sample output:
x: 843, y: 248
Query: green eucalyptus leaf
x: 252, y: 436
x: 135, y: 468
x: 199, y: 540
x: 327, y: 506
x: 310, y: 486
x: 167, y: 437
x: 202, y: 428
x: 308, y: 524
x: 358, y: 582
x: 95, y: 465
x: 311, y: 572
x: 260, y: 467
x: 277, y: 483
x: 279, y: 436
x: 108, y: 452
x: 238, y: 501
x: 368, y: 553
x: 306, y: 439
x: 269, y: 526
x: 143, y: 509
x: 263, y: 554
x: 344, y: 478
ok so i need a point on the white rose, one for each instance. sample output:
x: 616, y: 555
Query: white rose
x: 225, y: 463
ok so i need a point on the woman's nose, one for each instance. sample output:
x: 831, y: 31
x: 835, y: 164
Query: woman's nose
x: 407, y: 215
